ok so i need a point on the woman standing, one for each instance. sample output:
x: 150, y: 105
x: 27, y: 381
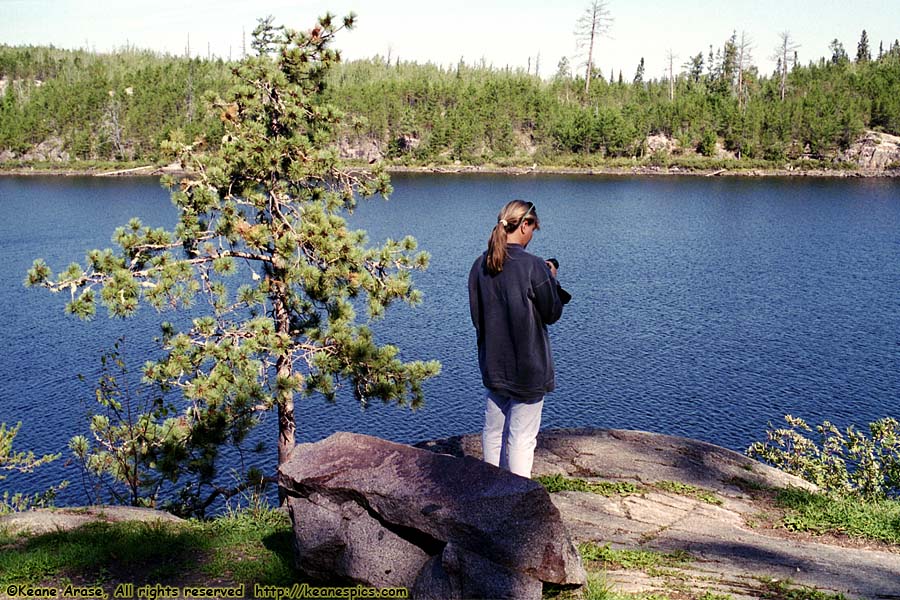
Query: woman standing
x: 513, y: 296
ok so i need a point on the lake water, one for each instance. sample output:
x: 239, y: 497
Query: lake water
x: 702, y: 307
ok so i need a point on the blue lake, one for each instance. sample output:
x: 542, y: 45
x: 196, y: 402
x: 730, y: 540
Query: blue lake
x: 703, y: 307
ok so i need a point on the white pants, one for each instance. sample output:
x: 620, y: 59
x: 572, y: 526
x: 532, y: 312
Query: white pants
x: 510, y: 432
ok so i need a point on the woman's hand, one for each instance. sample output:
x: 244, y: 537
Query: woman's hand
x: 552, y: 268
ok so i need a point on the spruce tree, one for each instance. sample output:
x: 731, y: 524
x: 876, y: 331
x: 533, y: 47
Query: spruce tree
x: 639, y: 73
x: 863, y: 54
x: 695, y: 68
x: 838, y: 54
x: 262, y: 238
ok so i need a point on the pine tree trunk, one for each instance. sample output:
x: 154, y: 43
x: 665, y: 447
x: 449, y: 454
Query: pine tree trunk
x: 286, y: 424
x: 284, y: 370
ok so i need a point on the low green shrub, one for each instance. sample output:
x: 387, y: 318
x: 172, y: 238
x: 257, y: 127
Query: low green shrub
x: 849, y: 462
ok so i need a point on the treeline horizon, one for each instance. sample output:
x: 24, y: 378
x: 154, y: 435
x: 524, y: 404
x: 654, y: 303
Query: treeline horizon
x: 120, y: 106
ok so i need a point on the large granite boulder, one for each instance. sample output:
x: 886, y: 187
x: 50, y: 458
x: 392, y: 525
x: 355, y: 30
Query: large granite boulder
x: 377, y: 513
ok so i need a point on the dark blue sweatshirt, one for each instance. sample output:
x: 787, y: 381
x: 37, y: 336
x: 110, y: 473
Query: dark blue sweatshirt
x: 511, y: 311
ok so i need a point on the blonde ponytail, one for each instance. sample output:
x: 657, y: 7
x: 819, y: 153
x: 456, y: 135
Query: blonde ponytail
x: 508, y: 220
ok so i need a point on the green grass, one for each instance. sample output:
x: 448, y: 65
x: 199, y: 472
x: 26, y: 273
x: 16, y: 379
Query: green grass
x: 560, y: 483
x: 820, y: 513
x: 597, y: 588
x: 6, y: 537
x: 245, y: 547
x: 748, y: 485
x: 641, y: 560
x: 254, y: 548
x: 775, y: 589
x: 691, y: 491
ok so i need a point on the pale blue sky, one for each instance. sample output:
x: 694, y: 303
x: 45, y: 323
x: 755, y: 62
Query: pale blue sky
x: 503, y: 32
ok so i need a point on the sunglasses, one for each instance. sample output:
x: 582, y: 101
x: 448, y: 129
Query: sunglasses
x: 528, y: 212
x: 525, y: 218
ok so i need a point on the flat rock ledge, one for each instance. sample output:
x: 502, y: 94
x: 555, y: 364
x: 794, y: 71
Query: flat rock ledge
x: 48, y: 520
x: 728, y: 552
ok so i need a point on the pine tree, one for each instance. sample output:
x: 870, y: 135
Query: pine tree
x: 863, y: 54
x: 264, y: 210
x: 695, y: 68
x: 726, y: 66
x: 13, y: 461
x: 563, y: 71
x: 838, y: 54
x: 18, y: 461
x: 639, y: 73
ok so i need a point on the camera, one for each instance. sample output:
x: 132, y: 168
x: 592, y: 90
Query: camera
x: 564, y: 296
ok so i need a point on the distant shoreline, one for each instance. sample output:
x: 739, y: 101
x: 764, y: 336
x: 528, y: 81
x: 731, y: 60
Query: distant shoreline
x: 637, y: 170
x: 648, y: 171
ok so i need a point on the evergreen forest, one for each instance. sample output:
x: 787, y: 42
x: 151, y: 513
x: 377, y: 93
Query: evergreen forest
x: 120, y: 106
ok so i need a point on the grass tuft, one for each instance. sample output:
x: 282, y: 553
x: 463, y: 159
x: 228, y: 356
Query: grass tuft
x: 776, y: 589
x: 641, y: 560
x: 560, y: 483
x: 691, y: 491
x: 821, y: 513
x: 254, y: 546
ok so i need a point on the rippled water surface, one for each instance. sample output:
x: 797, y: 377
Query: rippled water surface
x: 702, y: 307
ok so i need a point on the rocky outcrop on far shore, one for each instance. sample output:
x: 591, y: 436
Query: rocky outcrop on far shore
x: 874, y: 152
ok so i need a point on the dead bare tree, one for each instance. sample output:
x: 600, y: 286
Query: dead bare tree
x: 594, y: 23
x: 112, y: 125
x: 786, y: 47
x: 744, y: 57
x: 670, y: 56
